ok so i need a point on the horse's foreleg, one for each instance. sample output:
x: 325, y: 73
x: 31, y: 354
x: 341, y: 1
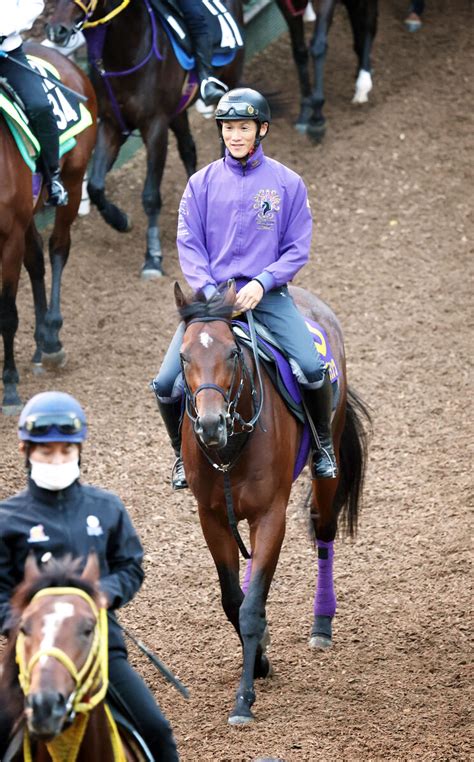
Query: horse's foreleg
x: 34, y: 263
x: 156, y: 141
x: 300, y: 52
x: 185, y: 141
x: 109, y: 140
x: 11, y: 259
x: 363, y: 18
x: 324, y: 522
x: 266, y: 539
x: 318, y: 48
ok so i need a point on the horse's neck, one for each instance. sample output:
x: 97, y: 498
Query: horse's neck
x: 129, y: 37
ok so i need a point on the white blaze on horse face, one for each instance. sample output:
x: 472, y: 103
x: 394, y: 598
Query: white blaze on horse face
x: 205, y: 339
x: 363, y: 87
x: 52, y: 624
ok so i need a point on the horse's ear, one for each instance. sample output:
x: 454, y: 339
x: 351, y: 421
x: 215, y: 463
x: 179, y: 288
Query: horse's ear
x: 179, y: 297
x: 231, y: 294
x: 32, y: 571
x: 91, y: 571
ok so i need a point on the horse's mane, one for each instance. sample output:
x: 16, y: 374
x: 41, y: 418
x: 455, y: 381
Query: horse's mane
x: 62, y: 572
x: 217, y: 307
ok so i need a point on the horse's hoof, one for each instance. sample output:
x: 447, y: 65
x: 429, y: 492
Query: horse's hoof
x: 54, y: 359
x: 12, y: 408
x: 37, y: 368
x: 120, y: 221
x: 320, y: 642
x: 240, y: 719
x: 316, y: 132
x: 152, y: 269
x: 301, y: 127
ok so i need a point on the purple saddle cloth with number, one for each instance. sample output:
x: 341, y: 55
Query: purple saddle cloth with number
x: 279, y: 370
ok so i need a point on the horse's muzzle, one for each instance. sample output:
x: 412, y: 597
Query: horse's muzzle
x: 45, y: 713
x: 211, y: 430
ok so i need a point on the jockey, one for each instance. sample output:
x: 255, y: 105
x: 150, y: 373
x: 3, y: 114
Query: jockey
x: 195, y: 18
x: 264, y: 244
x: 15, y: 17
x: 57, y: 514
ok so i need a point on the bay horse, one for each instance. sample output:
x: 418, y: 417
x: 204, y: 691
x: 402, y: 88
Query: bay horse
x: 240, y: 462
x: 139, y: 84
x: 21, y: 242
x: 363, y: 19
x: 54, y: 674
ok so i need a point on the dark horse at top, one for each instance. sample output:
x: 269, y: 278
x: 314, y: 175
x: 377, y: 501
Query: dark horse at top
x: 20, y: 241
x: 139, y: 84
x: 363, y: 19
x: 240, y: 447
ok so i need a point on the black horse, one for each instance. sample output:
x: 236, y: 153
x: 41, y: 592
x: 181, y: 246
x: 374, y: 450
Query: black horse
x: 141, y: 86
x: 363, y: 18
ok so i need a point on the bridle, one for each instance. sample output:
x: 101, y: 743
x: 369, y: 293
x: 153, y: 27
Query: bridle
x: 89, y: 8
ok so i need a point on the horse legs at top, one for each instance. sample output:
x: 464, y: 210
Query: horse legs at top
x: 34, y: 263
x: 155, y: 138
x: 324, y: 521
x: 363, y: 18
x: 11, y: 267
x: 318, y: 49
x: 185, y: 141
x: 245, y: 612
x: 109, y: 140
x: 301, y: 58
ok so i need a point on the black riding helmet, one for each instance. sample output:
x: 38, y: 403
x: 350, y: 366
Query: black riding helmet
x: 243, y: 103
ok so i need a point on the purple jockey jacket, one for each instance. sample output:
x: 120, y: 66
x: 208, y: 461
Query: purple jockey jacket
x: 243, y: 222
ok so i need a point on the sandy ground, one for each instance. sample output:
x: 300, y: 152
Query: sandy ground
x: 391, y: 189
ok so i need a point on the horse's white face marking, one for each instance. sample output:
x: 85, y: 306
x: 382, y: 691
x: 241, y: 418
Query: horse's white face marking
x: 52, y: 624
x: 363, y: 87
x: 205, y: 339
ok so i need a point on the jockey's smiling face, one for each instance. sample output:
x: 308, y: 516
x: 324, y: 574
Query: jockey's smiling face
x: 239, y: 136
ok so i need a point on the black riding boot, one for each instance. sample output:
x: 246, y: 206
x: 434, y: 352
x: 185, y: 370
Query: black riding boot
x: 44, y: 126
x: 319, y: 404
x: 211, y: 89
x: 171, y: 415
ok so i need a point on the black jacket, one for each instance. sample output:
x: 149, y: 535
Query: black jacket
x: 76, y: 520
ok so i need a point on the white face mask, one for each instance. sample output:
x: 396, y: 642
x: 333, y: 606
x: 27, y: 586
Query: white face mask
x: 54, y: 476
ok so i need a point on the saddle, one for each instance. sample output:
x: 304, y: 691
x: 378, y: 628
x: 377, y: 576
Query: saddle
x: 226, y: 34
x: 277, y: 365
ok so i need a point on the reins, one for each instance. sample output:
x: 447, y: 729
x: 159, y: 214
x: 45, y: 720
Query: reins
x: 91, y: 682
x: 232, y: 415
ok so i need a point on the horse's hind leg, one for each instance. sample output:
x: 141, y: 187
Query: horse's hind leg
x: 155, y: 138
x: 34, y: 263
x: 109, y: 140
x: 324, y: 520
x: 363, y: 18
x: 185, y: 141
x: 11, y: 259
x: 318, y: 48
x: 300, y: 53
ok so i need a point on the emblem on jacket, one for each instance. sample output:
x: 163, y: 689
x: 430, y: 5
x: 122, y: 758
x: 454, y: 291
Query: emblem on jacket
x: 37, y: 534
x: 267, y: 202
x: 94, y: 528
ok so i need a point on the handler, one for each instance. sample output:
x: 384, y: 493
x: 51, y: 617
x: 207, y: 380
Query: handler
x: 247, y: 217
x: 55, y: 515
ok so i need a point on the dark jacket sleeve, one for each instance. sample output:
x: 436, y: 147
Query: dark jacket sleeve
x: 7, y: 579
x: 124, y: 558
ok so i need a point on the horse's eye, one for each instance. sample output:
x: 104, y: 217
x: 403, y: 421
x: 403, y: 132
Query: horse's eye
x: 25, y: 628
x: 184, y: 358
x: 88, y: 629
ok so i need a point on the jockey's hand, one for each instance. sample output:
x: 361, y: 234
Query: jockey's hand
x: 249, y: 296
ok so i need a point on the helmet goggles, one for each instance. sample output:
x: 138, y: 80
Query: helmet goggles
x: 237, y: 111
x: 41, y: 424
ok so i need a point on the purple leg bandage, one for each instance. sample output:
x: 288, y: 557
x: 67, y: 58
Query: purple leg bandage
x: 248, y: 572
x: 325, y: 598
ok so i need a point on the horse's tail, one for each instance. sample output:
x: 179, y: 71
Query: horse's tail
x: 353, y: 460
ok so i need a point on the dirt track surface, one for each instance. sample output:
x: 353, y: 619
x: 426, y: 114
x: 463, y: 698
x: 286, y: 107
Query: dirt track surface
x: 392, y: 253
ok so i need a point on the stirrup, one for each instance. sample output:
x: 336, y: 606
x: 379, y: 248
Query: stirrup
x: 217, y: 90
x: 178, y: 475
x: 57, y: 193
x: 324, y: 464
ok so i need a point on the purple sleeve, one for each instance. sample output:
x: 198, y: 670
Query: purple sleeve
x: 294, y: 245
x: 193, y: 255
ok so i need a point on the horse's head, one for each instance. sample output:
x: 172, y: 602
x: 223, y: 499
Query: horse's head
x: 211, y: 363
x: 58, y: 642
x: 69, y: 16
